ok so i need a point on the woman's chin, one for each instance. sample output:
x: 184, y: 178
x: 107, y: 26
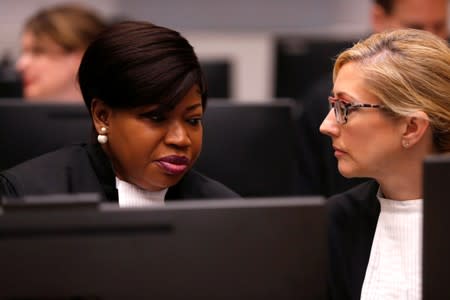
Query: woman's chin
x: 347, y: 171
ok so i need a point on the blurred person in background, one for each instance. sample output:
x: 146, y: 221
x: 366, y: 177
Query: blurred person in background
x: 52, y: 44
x: 318, y: 167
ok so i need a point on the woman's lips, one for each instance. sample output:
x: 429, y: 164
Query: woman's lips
x: 338, y: 152
x: 173, y: 164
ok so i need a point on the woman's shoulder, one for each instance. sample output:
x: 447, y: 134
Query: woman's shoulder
x: 44, y: 174
x: 195, y: 185
x: 59, y: 157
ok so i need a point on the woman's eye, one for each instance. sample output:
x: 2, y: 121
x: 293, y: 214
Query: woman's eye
x: 194, y: 121
x: 155, y: 116
x: 35, y: 51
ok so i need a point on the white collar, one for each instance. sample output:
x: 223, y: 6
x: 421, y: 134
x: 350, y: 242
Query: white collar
x: 131, y: 195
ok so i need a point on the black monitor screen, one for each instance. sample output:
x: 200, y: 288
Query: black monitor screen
x: 436, y: 224
x: 230, y: 249
x: 217, y: 74
x: 28, y: 130
x: 251, y: 147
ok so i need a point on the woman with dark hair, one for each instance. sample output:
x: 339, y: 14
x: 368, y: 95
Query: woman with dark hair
x: 146, y: 94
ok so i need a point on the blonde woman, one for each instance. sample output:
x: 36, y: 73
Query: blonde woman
x: 53, y: 42
x: 390, y: 108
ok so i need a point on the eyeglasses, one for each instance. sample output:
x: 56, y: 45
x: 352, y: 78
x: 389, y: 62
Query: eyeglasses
x: 342, y: 108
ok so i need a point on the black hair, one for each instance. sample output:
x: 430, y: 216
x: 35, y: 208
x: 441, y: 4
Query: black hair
x: 134, y: 63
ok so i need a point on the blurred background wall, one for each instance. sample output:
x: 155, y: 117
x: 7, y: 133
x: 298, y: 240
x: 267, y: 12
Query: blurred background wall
x: 246, y: 36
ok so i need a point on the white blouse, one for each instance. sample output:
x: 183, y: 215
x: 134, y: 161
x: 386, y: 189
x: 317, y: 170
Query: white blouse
x: 395, y: 264
x: 131, y: 195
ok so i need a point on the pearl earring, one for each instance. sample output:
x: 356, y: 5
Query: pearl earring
x: 405, y: 144
x: 102, y: 138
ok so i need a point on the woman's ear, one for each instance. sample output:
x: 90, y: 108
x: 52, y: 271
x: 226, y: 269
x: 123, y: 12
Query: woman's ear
x: 101, y: 113
x: 416, y: 127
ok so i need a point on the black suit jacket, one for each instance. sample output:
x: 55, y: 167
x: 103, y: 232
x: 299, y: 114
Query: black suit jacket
x: 353, y: 217
x: 86, y: 169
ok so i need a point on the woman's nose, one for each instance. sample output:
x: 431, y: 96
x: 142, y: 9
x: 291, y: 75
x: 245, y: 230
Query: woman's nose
x: 177, y: 135
x: 329, y: 125
x: 22, y: 62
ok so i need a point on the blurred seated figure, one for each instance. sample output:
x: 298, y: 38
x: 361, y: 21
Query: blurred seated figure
x: 146, y: 94
x: 317, y: 165
x: 53, y: 42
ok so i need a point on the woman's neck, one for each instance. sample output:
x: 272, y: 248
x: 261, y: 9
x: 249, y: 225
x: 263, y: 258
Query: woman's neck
x: 405, y: 184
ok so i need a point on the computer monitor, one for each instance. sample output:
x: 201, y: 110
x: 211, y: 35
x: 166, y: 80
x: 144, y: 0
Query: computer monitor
x: 251, y: 147
x: 296, y: 53
x: 218, y: 77
x: 10, y: 79
x: 31, y: 129
x: 436, y: 224
x: 230, y: 249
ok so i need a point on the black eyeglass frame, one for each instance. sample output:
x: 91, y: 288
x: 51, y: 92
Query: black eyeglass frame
x: 346, y: 107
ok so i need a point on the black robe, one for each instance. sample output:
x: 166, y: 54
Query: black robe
x: 353, y: 217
